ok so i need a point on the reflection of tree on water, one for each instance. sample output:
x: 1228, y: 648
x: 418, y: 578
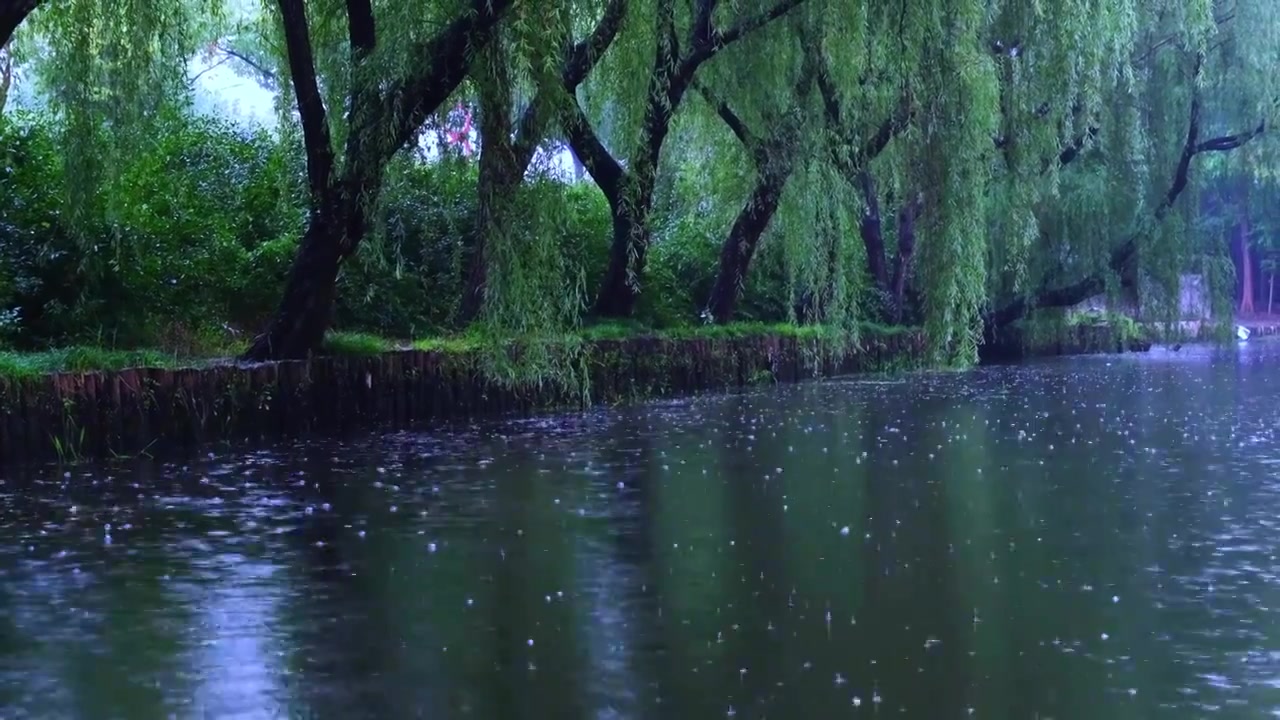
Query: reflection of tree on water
x: 530, y: 555
x: 763, y: 606
x: 908, y: 542
x: 354, y: 621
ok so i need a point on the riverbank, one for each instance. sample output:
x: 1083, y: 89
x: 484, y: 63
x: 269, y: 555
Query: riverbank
x: 74, y: 412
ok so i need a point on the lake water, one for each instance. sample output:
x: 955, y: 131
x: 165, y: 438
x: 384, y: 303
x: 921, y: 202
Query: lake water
x: 1082, y: 538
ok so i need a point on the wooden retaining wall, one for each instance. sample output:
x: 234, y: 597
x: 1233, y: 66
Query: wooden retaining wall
x: 100, y: 414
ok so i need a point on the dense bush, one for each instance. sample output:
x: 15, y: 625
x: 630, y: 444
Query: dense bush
x: 187, y: 247
x: 176, y: 245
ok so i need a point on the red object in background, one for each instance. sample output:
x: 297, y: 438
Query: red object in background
x: 462, y: 137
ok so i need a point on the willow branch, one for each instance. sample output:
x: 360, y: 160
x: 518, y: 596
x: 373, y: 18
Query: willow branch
x: 730, y: 118
x: 585, y: 54
x: 720, y: 39
x: 605, y: 170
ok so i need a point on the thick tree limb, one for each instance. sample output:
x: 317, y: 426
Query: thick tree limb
x: 585, y: 54
x: 749, y: 140
x: 582, y: 58
x: 12, y: 13
x: 706, y: 41
x: 306, y: 89
x: 607, y: 172
x: 748, y: 25
x: 412, y: 99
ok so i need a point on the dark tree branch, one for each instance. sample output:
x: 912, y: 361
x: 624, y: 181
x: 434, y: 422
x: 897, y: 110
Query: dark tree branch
x: 412, y: 99
x: 12, y: 13
x: 605, y: 170
x: 254, y: 65
x: 585, y: 54
x: 748, y: 25
x: 315, y: 121
x: 1231, y: 142
x: 582, y: 58
x: 706, y: 46
x: 733, y: 120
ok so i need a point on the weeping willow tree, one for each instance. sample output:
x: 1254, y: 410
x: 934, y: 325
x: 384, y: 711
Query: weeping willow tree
x: 1157, y: 88
x: 905, y: 94
x: 520, y: 100
x: 667, y: 52
x: 105, y: 69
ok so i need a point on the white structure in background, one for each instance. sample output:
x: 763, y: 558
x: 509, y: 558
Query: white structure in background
x: 1242, y: 332
x: 1193, y: 302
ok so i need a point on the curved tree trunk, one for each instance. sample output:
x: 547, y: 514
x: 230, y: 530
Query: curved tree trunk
x: 740, y: 246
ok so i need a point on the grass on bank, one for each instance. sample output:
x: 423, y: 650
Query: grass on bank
x: 19, y: 365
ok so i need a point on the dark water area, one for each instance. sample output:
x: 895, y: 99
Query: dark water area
x: 1080, y: 538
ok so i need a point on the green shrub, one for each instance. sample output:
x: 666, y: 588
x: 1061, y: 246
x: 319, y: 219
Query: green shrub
x: 169, y: 247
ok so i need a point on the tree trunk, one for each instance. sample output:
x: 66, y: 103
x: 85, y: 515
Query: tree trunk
x: 1246, y: 269
x: 497, y: 184
x: 627, y: 255
x: 630, y: 246
x: 906, y: 249
x: 299, y: 324
x: 1271, y: 292
x: 740, y: 246
x: 872, y: 230
x: 498, y: 180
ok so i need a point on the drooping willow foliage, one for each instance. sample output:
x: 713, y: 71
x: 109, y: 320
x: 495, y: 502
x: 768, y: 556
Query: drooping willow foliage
x: 107, y: 68
x: 952, y: 163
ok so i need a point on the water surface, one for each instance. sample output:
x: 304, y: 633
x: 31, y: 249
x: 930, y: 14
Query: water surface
x: 1081, y: 538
